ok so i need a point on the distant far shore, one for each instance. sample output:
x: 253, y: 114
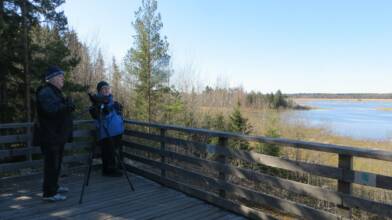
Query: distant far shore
x: 302, y: 100
x: 334, y: 96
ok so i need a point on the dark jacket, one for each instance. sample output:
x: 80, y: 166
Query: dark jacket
x: 54, y: 116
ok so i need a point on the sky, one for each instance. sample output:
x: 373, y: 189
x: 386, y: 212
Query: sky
x: 301, y: 46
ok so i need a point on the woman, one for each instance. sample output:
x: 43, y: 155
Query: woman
x: 110, y: 125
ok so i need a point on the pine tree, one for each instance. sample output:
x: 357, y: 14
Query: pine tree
x: 19, y: 69
x: 84, y: 70
x: 273, y: 132
x: 148, y: 61
x: 279, y: 100
x: 238, y: 123
x: 99, y: 69
x: 115, y: 78
x: 171, y: 106
x: 219, y: 122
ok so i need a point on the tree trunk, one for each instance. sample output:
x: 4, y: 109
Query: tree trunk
x: 149, y: 76
x: 26, y: 71
x: 149, y: 90
x: 26, y: 60
x: 1, y: 9
x: 2, y: 81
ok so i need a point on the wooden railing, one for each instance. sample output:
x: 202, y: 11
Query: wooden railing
x: 16, y: 152
x: 215, y: 179
x: 182, y: 158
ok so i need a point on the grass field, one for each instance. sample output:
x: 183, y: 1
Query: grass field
x: 385, y: 109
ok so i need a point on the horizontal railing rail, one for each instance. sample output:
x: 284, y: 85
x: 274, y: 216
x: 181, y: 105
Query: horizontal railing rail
x: 177, y: 157
x: 16, y: 151
x: 365, y: 152
x: 139, y: 138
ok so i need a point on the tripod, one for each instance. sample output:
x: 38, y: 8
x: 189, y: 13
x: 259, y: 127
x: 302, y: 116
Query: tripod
x: 90, y: 159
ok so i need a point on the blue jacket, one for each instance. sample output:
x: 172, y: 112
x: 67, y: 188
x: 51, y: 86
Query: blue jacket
x: 112, y: 121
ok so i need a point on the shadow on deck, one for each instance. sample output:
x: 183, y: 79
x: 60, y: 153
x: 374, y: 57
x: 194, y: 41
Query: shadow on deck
x: 105, y: 198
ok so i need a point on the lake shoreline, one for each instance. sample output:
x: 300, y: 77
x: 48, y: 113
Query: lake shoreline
x: 358, y: 119
x: 300, y: 100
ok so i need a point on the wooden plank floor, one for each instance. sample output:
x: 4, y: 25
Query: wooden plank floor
x: 105, y: 198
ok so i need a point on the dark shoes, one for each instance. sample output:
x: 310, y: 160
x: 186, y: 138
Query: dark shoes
x: 57, y: 197
x: 114, y: 173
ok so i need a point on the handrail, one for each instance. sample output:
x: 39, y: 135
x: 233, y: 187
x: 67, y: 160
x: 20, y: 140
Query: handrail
x: 12, y: 158
x: 30, y: 124
x: 344, y: 173
x: 224, y: 188
x: 329, y: 148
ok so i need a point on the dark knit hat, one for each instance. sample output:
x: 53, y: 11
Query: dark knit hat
x: 101, y: 84
x: 52, y: 72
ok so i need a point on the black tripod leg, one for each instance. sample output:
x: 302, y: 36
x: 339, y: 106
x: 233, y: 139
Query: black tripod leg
x: 87, y: 175
x: 123, y: 169
x: 89, y: 168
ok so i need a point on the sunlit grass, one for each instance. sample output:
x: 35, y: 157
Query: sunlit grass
x: 384, y: 109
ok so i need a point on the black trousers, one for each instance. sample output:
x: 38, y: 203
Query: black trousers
x: 53, y: 156
x: 108, y: 146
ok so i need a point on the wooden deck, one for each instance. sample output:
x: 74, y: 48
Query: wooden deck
x: 105, y: 198
x: 200, y: 163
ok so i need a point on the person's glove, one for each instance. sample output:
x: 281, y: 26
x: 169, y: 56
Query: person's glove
x: 94, y: 112
x: 69, y: 104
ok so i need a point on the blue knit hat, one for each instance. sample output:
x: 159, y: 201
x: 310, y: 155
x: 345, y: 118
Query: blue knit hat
x: 101, y: 84
x: 52, y: 72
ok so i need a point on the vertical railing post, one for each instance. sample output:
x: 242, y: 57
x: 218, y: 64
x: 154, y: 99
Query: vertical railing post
x: 345, y: 163
x: 29, y: 142
x: 223, y: 142
x: 163, y: 149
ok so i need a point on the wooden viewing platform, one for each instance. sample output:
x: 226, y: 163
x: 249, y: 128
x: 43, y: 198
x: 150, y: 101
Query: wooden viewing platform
x: 177, y: 169
x: 105, y: 198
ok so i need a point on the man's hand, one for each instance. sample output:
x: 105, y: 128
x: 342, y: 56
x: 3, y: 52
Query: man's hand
x: 69, y: 104
x: 94, y: 112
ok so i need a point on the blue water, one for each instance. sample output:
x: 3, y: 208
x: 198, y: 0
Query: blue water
x: 356, y: 119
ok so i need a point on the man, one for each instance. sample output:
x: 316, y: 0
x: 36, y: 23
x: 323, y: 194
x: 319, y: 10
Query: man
x: 110, y: 125
x: 55, y: 129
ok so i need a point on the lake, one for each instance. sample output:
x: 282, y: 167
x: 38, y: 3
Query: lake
x: 356, y: 119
